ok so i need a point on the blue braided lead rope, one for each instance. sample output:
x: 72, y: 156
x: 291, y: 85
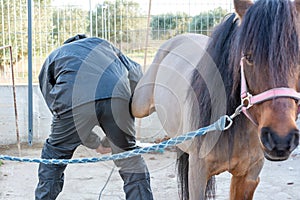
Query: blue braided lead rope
x: 218, y: 125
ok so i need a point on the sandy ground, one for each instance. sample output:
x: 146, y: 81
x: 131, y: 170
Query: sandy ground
x: 279, y: 180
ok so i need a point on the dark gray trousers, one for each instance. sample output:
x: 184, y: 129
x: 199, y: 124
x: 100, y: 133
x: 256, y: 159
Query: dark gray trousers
x: 73, y: 128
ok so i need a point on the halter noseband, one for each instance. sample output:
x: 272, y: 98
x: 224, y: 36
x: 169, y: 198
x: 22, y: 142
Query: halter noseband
x: 248, y: 100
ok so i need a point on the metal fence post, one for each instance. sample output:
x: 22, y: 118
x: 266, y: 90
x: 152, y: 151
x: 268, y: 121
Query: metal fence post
x: 30, y: 112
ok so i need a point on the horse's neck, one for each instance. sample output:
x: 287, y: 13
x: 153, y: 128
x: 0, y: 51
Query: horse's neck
x: 243, y: 141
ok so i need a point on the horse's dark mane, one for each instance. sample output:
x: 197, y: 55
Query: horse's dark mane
x: 268, y: 32
x: 218, y: 49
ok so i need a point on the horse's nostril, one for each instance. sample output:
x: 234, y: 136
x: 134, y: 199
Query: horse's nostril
x: 266, y: 138
x: 294, y: 140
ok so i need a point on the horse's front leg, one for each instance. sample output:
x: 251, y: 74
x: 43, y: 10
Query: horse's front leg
x: 197, y: 178
x: 243, y: 186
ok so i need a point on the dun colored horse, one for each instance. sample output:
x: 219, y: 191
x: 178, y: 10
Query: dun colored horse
x: 250, y: 64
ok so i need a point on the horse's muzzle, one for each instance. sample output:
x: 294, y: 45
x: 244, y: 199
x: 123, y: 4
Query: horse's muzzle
x: 278, y: 148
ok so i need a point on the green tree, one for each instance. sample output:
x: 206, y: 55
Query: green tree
x: 205, y: 21
x: 66, y: 23
x: 14, y: 27
x: 117, y: 21
x: 41, y: 26
x: 168, y: 25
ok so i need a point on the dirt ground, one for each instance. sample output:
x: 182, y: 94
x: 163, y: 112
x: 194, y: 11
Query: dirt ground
x: 279, y: 180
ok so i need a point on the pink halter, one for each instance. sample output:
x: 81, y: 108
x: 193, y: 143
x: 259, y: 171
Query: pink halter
x: 248, y: 100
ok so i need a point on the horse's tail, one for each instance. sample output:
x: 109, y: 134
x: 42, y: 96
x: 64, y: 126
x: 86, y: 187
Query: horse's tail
x: 210, y: 192
x: 183, y: 171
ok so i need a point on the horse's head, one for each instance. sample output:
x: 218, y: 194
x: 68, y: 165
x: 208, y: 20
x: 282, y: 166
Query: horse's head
x: 267, y: 50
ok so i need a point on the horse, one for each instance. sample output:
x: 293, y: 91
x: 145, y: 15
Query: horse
x: 247, y: 69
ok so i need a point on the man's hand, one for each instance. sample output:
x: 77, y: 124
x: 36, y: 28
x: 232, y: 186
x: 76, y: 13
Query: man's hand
x: 103, y: 150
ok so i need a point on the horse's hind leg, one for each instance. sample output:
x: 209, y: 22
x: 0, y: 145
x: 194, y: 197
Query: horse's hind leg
x: 243, y: 187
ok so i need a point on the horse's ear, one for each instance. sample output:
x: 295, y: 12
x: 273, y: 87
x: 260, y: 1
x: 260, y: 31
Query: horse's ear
x: 297, y: 4
x: 241, y: 6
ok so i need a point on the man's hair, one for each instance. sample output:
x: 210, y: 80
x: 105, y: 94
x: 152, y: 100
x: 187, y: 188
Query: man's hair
x: 74, y: 38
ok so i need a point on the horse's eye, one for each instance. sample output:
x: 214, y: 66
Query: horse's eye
x: 249, y: 58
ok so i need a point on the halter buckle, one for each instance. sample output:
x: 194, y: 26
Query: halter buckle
x: 246, y: 101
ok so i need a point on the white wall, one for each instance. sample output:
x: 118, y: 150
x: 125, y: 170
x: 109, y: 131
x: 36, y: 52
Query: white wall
x: 41, y: 115
x: 149, y: 131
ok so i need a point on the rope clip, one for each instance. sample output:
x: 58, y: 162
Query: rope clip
x: 230, y: 118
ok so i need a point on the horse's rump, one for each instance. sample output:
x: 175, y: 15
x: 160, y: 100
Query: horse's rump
x: 166, y: 84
